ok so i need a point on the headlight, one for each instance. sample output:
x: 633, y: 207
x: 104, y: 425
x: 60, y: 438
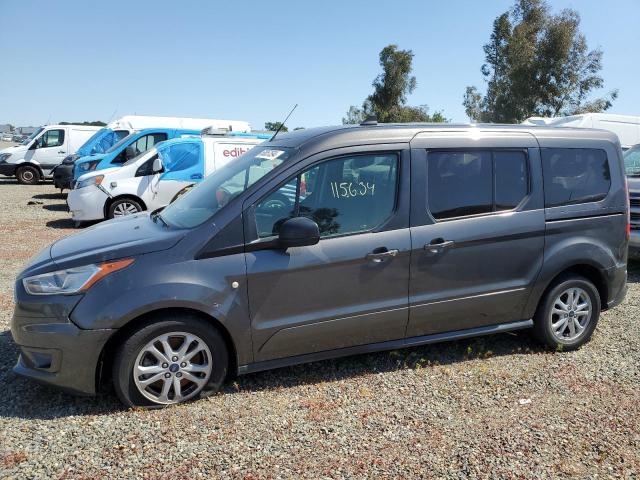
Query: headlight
x: 69, y: 159
x: 4, y: 157
x: 97, y: 180
x: 89, y: 166
x: 72, y: 280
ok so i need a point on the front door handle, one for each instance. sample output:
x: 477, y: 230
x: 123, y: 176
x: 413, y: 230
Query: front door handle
x: 61, y: 151
x: 438, y: 245
x: 380, y: 254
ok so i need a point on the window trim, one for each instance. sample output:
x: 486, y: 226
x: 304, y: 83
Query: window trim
x: 397, y: 153
x: 583, y: 200
x: 491, y: 150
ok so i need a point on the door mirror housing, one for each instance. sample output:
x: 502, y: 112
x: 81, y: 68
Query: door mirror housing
x: 157, y: 165
x: 298, y: 232
x: 129, y: 152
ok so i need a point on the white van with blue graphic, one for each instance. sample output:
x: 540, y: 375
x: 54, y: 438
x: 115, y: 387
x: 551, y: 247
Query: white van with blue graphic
x: 154, y: 178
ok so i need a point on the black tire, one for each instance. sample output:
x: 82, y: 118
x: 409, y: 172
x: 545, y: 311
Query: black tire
x: 127, y: 354
x: 28, y: 175
x: 123, y: 203
x: 543, y: 318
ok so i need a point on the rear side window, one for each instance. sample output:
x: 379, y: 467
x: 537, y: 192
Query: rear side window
x: 574, y: 175
x: 464, y: 183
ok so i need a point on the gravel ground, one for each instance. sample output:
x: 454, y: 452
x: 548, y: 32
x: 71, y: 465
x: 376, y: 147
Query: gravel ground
x: 491, y: 407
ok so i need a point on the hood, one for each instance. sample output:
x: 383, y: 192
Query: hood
x: 95, y: 156
x: 14, y: 149
x: 94, y: 173
x: 119, y: 238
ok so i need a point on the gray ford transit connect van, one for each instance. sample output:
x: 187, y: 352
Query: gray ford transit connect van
x: 329, y: 242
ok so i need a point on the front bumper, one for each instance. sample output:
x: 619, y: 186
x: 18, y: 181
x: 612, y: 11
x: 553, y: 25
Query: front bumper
x: 62, y: 176
x: 59, y: 354
x: 86, y: 204
x: 8, y: 169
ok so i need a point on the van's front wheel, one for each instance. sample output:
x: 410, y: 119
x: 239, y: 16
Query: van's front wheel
x: 28, y: 175
x: 124, y: 206
x: 168, y: 360
x: 568, y: 313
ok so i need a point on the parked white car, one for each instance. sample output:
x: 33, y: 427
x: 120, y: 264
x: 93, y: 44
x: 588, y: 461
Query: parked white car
x: 45, y: 149
x: 154, y: 178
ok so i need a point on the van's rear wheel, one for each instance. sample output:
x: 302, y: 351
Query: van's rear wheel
x: 170, y: 359
x: 124, y: 206
x: 568, y: 313
x: 28, y: 175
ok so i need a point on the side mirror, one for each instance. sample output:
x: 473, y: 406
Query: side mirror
x: 298, y: 232
x: 157, y: 165
x: 129, y: 152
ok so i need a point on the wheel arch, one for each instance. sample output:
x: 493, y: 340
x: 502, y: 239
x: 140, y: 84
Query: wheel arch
x: 27, y: 163
x: 583, y: 269
x: 107, y: 355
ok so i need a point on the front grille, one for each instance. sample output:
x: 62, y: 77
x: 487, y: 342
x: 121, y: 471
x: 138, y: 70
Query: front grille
x: 635, y: 220
x: 634, y: 201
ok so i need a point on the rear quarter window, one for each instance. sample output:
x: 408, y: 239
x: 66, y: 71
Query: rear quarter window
x: 575, y: 175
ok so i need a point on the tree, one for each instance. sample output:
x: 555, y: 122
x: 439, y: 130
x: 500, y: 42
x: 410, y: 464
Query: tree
x: 388, y: 102
x: 537, y: 64
x: 273, y: 126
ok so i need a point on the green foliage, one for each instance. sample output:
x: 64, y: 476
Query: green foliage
x: 273, y: 126
x: 95, y: 123
x: 537, y: 64
x: 390, y: 90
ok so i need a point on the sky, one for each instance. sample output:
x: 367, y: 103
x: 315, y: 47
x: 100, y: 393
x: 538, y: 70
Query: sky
x: 78, y: 60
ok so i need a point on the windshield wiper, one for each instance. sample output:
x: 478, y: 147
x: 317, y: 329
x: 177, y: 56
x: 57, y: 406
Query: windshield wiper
x: 156, y: 214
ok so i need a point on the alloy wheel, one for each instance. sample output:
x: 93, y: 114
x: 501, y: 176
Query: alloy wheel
x: 570, y: 314
x: 172, y: 368
x: 124, y: 208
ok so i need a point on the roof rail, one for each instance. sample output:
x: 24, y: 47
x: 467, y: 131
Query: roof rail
x: 370, y: 120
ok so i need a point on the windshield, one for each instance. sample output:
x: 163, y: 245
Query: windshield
x: 99, y: 142
x: 632, y: 161
x: 223, y: 185
x: 32, y: 136
x: 121, y: 142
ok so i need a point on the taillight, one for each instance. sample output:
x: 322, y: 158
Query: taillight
x: 626, y: 192
x: 303, y: 187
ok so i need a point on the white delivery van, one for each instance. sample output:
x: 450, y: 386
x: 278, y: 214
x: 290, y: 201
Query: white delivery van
x: 92, y: 154
x: 155, y: 177
x: 39, y: 154
x: 627, y: 127
x: 138, y: 122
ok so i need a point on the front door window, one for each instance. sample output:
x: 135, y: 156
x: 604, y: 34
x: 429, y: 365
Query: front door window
x: 51, y: 138
x: 343, y: 196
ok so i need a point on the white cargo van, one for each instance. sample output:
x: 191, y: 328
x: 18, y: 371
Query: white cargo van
x: 155, y: 177
x: 39, y: 154
x: 627, y: 127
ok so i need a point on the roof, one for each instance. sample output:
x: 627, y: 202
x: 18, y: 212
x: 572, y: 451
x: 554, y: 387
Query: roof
x: 348, y: 135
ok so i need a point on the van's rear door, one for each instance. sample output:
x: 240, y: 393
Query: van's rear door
x: 477, y: 228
